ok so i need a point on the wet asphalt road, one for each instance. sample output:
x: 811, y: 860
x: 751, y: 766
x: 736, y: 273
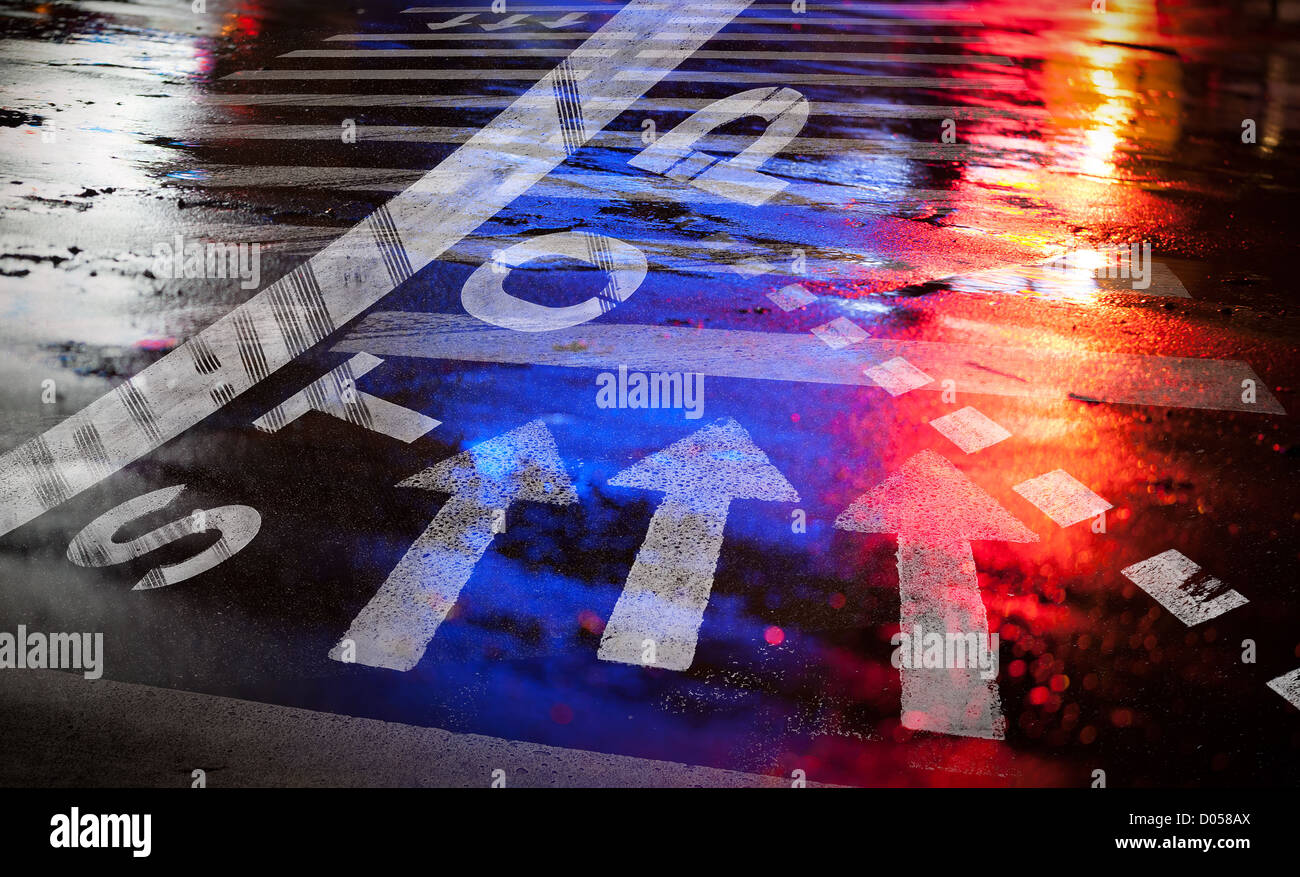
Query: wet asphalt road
x: 129, y: 124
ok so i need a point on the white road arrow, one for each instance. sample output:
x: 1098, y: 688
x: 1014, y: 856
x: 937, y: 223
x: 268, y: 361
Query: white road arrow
x: 657, y: 617
x: 936, y: 511
x: 396, y: 626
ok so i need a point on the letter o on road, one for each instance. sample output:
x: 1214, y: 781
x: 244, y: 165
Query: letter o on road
x: 485, y: 297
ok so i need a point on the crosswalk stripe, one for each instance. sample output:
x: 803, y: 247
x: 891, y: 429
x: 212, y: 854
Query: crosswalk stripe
x: 583, y: 186
x: 1062, y: 497
x: 679, y: 255
x: 820, y: 21
x: 839, y: 146
x: 1192, y: 595
x: 515, y: 36
x: 559, y: 52
x: 946, y: 8
x: 845, y: 57
x: 860, y: 80
x: 488, y: 101
x: 1122, y: 378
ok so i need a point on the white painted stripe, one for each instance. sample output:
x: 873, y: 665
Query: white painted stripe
x: 946, y: 8
x: 798, y: 356
x: 564, y: 21
x: 839, y: 333
x: 1062, y: 497
x: 657, y: 618
x: 158, y: 12
x: 1288, y: 685
x: 336, y: 285
x: 1180, y: 586
x: 608, y: 139
x: 749, y: 267
x: 970, y: 430
x: 815, y: 21
x: 648, y: 77
x: 847, y: 57
x: 792, y: 297
x: 487, y: 101
x: 897, y: 376
x: 336, y: 394
x: 559, y: 52
x: 475, y: 36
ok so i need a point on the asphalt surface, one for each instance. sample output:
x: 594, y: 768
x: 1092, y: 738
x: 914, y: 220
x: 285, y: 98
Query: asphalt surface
x: 1074, y: 133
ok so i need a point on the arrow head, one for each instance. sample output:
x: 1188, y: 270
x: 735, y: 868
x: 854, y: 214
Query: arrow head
x: 720, y: 460
x: 522, y: 464
x: 930, y: 500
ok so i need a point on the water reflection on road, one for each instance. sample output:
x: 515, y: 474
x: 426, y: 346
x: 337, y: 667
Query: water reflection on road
x: 122, y: 129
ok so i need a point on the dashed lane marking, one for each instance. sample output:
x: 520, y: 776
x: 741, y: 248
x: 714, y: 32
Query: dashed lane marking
x: 1062, y: 497
x: 970, y: 430
x: 1178, y: 584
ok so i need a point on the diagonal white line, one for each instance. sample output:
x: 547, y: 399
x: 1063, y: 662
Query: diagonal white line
x: 345, y: 278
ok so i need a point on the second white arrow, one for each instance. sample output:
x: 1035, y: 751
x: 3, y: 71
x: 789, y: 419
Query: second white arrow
x: 657, y: 618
